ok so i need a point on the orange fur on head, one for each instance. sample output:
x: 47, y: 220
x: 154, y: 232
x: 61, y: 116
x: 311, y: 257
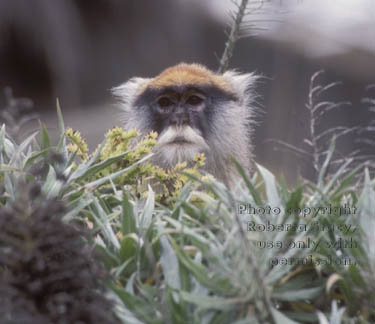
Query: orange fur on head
x: 187, y: 74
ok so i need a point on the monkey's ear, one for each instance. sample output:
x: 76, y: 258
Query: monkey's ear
x: 127, y: 92
x: 242, y: 83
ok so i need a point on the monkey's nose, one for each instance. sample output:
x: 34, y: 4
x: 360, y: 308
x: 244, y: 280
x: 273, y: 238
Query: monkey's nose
x: 179, y: 119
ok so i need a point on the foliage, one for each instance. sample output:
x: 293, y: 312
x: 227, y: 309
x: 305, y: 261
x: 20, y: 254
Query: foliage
x: 188, y: 252
x: 48, y: 273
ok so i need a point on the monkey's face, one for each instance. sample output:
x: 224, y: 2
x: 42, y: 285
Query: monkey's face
x: 180, y: 117
x: 194, y: 110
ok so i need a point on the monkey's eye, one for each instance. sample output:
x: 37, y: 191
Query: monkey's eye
x: 194, y: 100
x: 165, y: 102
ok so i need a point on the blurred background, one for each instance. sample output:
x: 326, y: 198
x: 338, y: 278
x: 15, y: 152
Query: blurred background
x: 77, y: 50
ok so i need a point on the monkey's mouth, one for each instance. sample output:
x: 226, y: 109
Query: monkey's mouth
x: 180, y: 140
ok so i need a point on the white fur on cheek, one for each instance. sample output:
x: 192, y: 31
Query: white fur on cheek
x: 128, y: 91
x: 126, y: 94
x: 243, y: 84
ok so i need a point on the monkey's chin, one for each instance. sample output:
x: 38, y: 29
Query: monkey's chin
x: 170, y: 154
x: 178, y: 144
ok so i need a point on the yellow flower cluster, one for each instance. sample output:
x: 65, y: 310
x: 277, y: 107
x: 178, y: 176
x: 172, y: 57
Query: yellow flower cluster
x: 117, y: 141
x: 78, y: 144
x: 166, y: 183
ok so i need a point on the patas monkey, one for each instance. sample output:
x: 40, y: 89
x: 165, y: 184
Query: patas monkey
x: 193, y: 110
